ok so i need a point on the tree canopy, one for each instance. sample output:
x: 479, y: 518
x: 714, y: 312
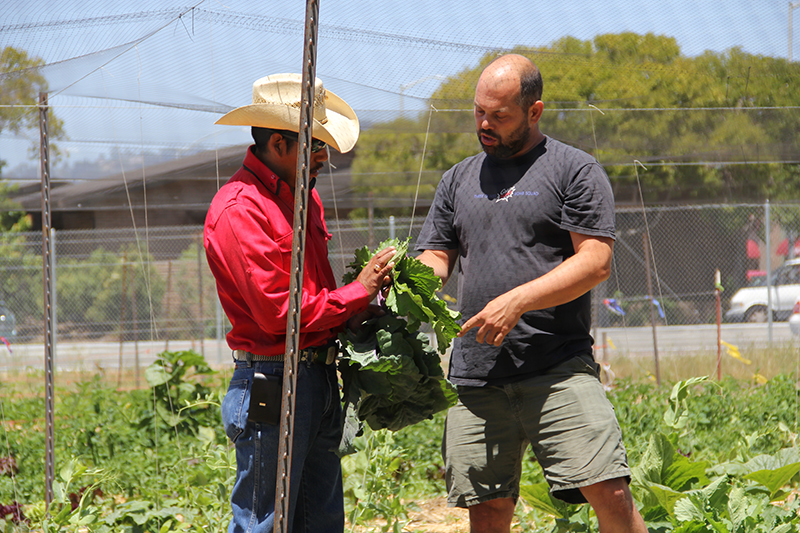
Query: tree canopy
x: 721, y: 126
x: 20, y: 85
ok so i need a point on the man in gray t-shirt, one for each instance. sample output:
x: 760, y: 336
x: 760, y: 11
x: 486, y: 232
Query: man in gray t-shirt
x: 510, y: 220
x: 531, y: 224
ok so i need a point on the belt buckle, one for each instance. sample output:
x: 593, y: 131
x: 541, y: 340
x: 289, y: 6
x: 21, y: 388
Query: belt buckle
x: 324, y: 355
x: 330, y: 355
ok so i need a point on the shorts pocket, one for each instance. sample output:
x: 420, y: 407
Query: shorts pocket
x: 234, y: 408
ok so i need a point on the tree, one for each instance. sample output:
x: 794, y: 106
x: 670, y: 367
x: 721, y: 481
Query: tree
x: 12, y: 217
x: 716, y: 126
x: 20, y: 84
x: 393, y: 153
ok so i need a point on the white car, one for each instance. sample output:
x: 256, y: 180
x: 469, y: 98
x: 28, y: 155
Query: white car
x: 794, y: 319
x: 749, y: 304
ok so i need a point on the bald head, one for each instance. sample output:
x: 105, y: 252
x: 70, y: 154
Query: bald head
x: 515, y: 73
x: 508, y: 106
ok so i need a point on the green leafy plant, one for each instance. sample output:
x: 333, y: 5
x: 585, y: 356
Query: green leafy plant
x: 567, y: 517
x: 370, y: 483
x: 676, y: 416
x: 179, y: 392
x: 731, y: 464
x: 413, y: 292
x: 390, y: 378
x: 676, y: 491
x: 680, y: 491
x: 774, y: 471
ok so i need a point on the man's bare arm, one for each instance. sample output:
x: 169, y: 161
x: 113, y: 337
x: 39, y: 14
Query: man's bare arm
x: 441, y: 261
x: 590, y: 265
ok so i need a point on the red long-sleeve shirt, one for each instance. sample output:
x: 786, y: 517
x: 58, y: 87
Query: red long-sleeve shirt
x: 248, y: 241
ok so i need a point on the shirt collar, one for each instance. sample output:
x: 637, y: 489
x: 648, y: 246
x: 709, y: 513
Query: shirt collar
x: 267, y: 177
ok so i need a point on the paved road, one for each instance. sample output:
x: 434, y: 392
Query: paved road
x: 673, y: 340
x: 631, y: 342
x: 105, y: 355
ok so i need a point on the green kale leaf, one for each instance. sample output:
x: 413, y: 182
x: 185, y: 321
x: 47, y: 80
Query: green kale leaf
x: 391, y: 378
x: 413, y: 292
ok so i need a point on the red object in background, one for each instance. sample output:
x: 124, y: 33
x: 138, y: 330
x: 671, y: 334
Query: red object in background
x: 753, y: 252
x: 755, y: 274
x: 783, y: 248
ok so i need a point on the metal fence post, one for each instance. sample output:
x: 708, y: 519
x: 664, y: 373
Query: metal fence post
x: 135, y: 323
x: 371, y: 221
x: 49, y: 310
x: 650, y: 304
x: 201, y: 313
x: 768, y: 241
x: 282, y: 488
x: 53, y: 294
x: 168, y: 308
x: 123, y: 301
x: 718, y: 302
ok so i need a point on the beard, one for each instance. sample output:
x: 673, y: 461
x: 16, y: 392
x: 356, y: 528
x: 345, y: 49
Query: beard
x: 505, y: 149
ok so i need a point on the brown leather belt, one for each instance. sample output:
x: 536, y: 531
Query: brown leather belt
x: 323, y: 355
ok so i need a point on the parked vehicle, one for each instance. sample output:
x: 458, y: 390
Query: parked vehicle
x: 749, y: 304
x: 794, y: 320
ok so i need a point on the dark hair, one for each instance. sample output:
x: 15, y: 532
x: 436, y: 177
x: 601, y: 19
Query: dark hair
x: 530, y: 87
x: 261, y: 136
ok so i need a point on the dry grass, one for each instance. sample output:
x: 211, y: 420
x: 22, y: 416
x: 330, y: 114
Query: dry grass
x: 754, y: 363
x: 763, y: 361
x: 30, y: 382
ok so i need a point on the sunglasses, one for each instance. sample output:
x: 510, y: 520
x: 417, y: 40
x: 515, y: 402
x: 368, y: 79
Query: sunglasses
x: 316, y: 144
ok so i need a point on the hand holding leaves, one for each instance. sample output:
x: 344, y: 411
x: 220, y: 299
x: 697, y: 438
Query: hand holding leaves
x: 374, y: 276
x: 412, y: 292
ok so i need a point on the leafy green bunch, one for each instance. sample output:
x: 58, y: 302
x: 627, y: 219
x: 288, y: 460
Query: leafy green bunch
x: 413, y: 292
x: 391, y: 378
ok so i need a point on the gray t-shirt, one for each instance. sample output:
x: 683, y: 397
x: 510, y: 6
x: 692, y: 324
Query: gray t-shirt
x: 510, y: 221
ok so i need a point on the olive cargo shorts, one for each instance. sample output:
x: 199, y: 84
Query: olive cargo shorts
x: 564, y: 414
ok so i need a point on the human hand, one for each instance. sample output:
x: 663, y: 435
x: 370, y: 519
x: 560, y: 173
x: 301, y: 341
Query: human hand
x: 495, y: 320
x: 355, y: 322
x: 375, y: 275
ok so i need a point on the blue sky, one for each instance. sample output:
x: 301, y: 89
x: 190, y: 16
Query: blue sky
x: 166, y: 91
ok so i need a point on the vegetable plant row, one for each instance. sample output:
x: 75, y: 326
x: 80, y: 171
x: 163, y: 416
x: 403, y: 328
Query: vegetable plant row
x: 707, y: 456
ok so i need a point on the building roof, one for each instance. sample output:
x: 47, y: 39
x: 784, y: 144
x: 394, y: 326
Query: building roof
x: 183, y: 185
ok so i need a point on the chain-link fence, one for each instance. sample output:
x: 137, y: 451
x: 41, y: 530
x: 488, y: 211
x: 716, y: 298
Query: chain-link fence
x: 666, y: 258
x: 121, y: 286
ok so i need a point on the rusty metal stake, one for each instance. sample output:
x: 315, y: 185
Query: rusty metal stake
x: 282, y: 489
x: 49, y: 310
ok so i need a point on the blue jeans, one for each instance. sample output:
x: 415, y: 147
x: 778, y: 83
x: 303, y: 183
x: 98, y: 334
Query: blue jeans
x: 316, y: 501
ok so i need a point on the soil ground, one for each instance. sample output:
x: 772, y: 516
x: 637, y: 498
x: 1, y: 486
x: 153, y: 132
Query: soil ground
x: 430, y: 516
x: 435, y: 516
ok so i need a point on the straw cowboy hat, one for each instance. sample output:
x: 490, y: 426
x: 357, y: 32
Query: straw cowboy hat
x: 276, y: 105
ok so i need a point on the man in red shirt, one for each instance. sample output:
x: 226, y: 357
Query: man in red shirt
x: 248, y: 241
